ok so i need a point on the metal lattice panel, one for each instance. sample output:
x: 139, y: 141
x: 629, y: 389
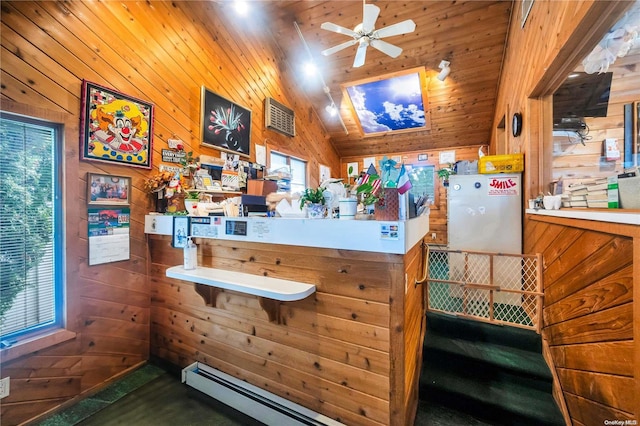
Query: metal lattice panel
x: 487, y: 286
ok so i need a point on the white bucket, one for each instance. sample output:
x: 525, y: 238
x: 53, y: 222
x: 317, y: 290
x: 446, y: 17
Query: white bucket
x: 348, y: 208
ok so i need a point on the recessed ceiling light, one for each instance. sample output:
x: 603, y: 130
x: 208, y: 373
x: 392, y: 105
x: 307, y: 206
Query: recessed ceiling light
x: 241, y: 7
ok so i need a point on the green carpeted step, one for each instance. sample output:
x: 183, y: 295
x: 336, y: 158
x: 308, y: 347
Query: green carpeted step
x: 462, y: 328
x: 501, y: 401
x: 481, y: 354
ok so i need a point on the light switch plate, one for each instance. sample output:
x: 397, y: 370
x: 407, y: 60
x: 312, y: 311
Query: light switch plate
x: 4, y: 387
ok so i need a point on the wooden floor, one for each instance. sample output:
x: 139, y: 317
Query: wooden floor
x: 154, y: 396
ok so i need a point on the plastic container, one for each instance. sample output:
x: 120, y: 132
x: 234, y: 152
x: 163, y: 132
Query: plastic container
x: 190, y: 255
x: 508, y: 163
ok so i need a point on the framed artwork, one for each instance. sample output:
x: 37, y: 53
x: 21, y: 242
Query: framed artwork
x: 392, y: 103
x: 224, y: 124
x: 115, y: 128
x: 108, y: 190
x: 180, y: 231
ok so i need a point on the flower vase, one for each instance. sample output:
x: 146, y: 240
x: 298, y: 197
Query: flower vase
x: 191, y: 205
x: 316, y: 211
x: 348, y: 208
x: 388, y: 206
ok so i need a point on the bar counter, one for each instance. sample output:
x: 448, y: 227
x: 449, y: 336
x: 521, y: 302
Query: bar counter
x: 351, y: 350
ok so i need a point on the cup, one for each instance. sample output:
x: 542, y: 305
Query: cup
x: 548, y: 202
x: 557, y: 202
x: 532, y: 203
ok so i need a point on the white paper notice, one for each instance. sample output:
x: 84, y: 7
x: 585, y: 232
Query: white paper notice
x: 447, y: 157
x: 368, y: 161
x: 108, y: 235
x: 261, y: 155
x: 109, y: 248
x: 354, y: 169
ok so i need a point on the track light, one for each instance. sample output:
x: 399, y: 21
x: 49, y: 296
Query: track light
x: 331, y: 108
x: 444, y: 66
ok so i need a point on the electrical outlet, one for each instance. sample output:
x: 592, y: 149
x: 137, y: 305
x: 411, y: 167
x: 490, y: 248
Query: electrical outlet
x: 4, y: 387
x: 433, y: 236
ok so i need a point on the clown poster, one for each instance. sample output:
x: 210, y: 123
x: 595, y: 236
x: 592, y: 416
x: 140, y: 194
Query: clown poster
x: 116, y: 128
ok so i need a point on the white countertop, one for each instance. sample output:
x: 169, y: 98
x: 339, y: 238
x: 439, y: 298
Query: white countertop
x: 612, y: 216
x: 396, y: 237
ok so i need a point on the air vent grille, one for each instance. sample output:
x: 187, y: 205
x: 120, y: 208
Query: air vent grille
x: 279, y: 118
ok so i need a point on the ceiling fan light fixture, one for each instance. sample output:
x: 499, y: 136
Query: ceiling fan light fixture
x: 331, y: 109
x: 444, y: 66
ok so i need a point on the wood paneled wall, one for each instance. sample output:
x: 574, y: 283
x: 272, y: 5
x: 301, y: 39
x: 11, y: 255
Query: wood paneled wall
x: 438, y: 216
x: 589, y: 313
x: 589, y: 310
x: 350, y: 351
x: 162, y: 52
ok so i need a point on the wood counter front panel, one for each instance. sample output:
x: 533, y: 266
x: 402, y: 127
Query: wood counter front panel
x: 588, y: 314
x: 333, y: 352
x: 161, y: 52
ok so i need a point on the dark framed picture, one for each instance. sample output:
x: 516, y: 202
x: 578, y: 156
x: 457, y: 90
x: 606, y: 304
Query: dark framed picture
x: 225, y: 125
x: 108, y: 190
x: 115, y: 128
x: 180, y: 231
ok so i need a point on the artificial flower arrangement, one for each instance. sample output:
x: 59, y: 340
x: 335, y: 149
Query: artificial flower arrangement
x: 372, y: 188
x: 172, y: 185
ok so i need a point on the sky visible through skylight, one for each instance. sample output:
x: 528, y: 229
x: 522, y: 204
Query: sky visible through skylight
x: 388, y: 105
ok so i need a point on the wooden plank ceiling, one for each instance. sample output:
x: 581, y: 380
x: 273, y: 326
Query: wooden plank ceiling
x: 471, y: 35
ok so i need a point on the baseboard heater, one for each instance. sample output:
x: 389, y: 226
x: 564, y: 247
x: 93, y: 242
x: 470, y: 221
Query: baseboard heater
x: 263, y: 406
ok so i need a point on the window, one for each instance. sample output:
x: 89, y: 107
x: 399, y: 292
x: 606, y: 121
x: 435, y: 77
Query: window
x: 298, y: 170
x: 423, y: 182
x: 31, y: 227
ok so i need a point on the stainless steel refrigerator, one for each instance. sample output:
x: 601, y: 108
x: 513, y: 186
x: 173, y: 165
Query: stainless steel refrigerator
x: 485, y: 214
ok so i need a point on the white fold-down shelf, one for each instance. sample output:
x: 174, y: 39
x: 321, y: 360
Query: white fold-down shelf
x: 258, y: 285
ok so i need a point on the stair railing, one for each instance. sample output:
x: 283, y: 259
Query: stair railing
x: 491, y: 287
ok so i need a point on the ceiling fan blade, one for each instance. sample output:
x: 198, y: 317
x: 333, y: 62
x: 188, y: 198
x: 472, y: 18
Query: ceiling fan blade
x: 387, y: 48
x: 371, y: 12
x: 361, y: 54
x: 330, y: 26
x: 396, y: 29
x: 334, y: 49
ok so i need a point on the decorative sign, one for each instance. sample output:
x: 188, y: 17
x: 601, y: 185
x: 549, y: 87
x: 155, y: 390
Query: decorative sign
x: 503, y: 186
x: 171, y: 156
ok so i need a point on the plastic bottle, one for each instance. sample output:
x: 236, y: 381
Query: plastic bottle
x: 190, y: 255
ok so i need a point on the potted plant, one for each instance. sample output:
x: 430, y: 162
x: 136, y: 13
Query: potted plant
x: 314, y: 200
x: 191, y: 200
x: 348, y: 205
x: 445, y: 172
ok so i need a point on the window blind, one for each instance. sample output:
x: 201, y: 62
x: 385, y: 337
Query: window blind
x: 29, y: 294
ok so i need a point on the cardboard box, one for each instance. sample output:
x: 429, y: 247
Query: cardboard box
x: 261, y: 187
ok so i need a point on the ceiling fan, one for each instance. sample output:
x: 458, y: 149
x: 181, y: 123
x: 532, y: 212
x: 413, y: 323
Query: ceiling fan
x: 364, y: 34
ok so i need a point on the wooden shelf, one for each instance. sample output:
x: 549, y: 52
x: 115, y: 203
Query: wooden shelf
x: 216, y: 192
